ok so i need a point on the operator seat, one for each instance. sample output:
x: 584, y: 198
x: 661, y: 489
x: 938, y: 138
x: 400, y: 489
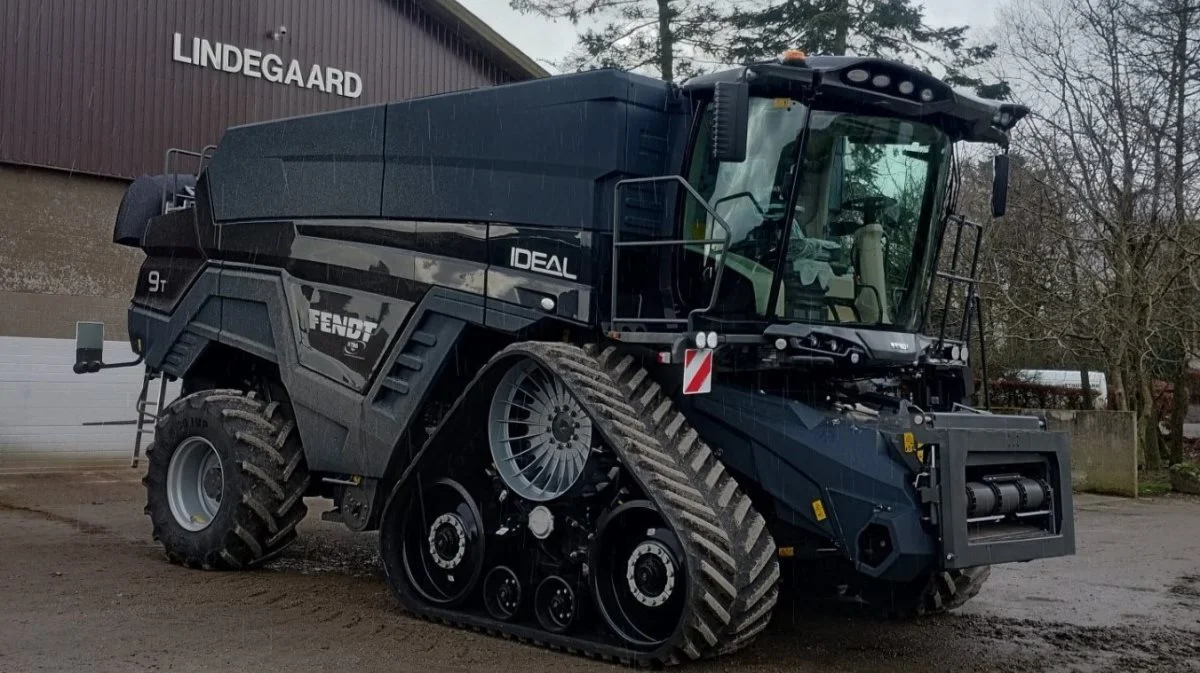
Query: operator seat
x: 868, y: 257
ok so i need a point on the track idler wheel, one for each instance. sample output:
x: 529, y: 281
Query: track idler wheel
x: 638, y: 575
x: 442, y: 543
x: 556, y: 604
x: 502, y: 593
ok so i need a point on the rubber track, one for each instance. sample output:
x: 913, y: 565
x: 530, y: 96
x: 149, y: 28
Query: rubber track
x: 731, y: 560
x: 943, y: 591
x: 949, y: 590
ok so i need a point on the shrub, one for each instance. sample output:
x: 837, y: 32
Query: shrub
x: 1012, y: 394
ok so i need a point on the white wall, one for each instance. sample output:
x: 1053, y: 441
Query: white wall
x: 45, y: 407
x: 1070, y: 379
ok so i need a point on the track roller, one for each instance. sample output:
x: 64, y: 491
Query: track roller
x: 556, y: 604
x: 502, y: 593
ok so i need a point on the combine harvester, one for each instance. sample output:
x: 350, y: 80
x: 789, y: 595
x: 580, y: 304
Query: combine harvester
x: 605, y: 360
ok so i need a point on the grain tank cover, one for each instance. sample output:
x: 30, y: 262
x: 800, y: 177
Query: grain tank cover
x: 541, y: 152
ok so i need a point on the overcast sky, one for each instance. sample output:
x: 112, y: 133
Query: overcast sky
x: 544, y: 40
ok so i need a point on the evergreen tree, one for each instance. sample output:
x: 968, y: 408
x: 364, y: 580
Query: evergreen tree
x: 671, y: 38
x: 894, y: 29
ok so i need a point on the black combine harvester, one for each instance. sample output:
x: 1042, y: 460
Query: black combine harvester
x: 605, y: 360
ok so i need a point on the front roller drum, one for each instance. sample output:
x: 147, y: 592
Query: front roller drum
x: 639, y: 579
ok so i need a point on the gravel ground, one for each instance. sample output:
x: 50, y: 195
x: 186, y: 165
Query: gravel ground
x: 82, y: 587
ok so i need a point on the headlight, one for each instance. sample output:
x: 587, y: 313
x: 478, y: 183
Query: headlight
x: 858, y: 76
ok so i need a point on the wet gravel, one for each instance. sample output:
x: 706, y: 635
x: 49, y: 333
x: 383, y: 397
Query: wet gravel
x: 82, y: 587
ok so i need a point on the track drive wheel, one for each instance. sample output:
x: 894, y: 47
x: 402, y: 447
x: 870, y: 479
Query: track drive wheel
x: 934, y: 594
x: 225, y: 480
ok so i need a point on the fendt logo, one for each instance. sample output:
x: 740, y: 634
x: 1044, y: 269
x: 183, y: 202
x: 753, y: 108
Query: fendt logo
x: 353, y: 329
x: 531, y: 260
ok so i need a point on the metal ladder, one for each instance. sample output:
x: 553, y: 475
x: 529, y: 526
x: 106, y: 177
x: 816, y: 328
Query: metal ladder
x: 144, y: 414
x: 972, y: 306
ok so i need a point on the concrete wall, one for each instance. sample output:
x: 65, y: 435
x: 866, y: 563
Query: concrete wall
x: 1103, y: 448
x: 52, y: 418
x: 58, y: 263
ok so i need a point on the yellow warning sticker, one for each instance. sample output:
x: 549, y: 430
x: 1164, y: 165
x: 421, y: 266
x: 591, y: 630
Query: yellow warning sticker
x: 910, y: 442
x: 819, y: 510
x: 921, y: 455
x: 787, y: 552
x: 783, y: 103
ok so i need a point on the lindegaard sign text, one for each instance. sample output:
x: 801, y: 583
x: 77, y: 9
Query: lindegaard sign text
x: 260, y: 65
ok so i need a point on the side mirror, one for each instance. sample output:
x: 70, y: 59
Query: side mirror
x: 999, y: 185
x: 731, y: 118
x: 89, y: 346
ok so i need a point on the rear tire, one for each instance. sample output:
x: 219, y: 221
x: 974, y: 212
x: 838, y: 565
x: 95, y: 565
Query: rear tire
x: 937, y: 593
x: 243, y: 507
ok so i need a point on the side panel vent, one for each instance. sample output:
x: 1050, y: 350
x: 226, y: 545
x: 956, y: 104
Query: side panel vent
x: 416, y: 366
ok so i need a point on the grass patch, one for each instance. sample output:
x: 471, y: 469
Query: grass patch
x: 1154, y: 483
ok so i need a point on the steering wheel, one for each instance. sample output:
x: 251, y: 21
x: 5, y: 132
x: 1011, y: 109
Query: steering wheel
x: 748, y: 195
x: 844, y: 227
x: 869, y: 206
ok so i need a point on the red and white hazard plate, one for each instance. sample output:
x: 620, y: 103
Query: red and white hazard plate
x: 697, y: 371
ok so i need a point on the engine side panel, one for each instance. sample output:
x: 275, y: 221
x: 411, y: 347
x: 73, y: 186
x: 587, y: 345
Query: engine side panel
x: 343, y: 430
x: 529, y: 265
x: 341, y: 334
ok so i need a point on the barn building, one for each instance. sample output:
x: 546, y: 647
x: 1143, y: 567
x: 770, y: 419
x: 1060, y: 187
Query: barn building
x: 93, y: 93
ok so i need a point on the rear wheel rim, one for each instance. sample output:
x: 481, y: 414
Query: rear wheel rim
x: 195, y: 484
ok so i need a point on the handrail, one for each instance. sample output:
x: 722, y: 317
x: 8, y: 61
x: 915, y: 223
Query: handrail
x: 617, y: 243
x: 168, y: 166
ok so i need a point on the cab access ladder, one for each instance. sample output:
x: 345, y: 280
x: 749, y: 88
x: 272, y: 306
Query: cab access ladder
x: 146, y: 417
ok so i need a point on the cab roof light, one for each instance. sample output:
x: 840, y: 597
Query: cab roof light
x: 792, y: 56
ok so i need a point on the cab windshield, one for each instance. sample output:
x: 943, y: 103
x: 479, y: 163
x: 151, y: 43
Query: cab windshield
x: 860, y: 234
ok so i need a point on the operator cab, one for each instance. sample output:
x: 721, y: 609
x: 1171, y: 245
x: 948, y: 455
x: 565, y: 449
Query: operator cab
x: 828, y: 184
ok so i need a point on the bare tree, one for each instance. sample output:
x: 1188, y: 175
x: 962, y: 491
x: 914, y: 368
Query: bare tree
x: 1113, y: 151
